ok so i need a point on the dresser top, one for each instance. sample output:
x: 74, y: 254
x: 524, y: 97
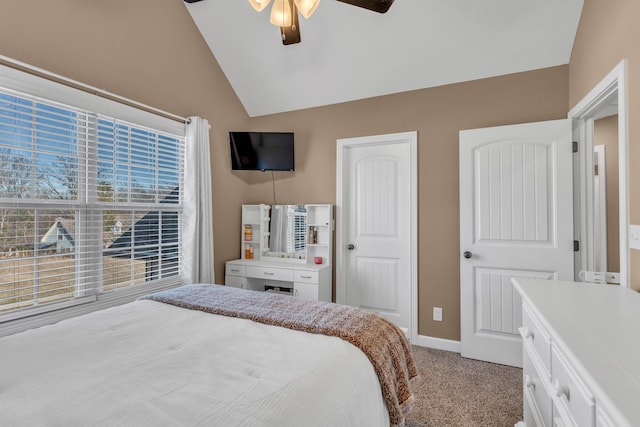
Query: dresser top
x: 598, y: 329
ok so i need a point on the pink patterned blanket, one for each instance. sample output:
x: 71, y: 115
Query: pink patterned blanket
x: 384, y: 344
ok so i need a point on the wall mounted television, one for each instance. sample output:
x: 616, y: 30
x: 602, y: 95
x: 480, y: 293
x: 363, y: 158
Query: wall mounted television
x: 263, y: 151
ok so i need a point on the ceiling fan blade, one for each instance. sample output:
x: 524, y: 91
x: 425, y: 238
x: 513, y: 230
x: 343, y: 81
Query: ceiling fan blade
x: 291, y: 35
x: 380, y: 6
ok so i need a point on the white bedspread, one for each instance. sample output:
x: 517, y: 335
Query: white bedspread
x: 152, y: 364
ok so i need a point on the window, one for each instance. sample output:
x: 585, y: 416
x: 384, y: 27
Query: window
x: 296, y: 228
x: 89, y: 203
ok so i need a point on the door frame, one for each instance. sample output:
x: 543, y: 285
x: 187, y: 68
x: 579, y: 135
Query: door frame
x: 342, y: 147
x: 605, y: 99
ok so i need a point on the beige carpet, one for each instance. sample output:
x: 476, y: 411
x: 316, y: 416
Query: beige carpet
x: 454, y: 391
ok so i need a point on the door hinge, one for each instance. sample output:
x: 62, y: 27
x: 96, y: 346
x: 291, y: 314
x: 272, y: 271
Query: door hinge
x: 576, y: 246
x: 574, y: 146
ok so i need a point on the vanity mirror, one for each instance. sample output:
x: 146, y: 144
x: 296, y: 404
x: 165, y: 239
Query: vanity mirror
x: 287, y: 233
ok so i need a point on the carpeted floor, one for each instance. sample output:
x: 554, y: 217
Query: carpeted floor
x: 454, y: 391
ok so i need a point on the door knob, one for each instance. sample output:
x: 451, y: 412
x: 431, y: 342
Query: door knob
x: 350, y: 246
x: 467, y: 254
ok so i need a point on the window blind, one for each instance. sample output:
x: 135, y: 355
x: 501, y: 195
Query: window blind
x: 88, y: 203
x: 296, y: 228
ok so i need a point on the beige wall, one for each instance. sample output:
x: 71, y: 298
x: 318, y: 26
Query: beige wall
x: 437, y: 114
x: 146, y: 50
x: 608, y: 33
x: 150, y: 51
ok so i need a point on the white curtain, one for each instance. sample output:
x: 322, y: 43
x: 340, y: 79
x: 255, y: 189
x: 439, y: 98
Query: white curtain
x: 197, y: 255
x: 278, y: 228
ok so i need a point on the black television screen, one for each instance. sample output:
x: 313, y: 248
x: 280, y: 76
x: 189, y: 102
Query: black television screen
x: 262, y: 151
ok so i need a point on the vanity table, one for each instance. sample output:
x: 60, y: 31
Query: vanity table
x: 308, y: 281
x: 581, y: 354
x: 286, y: 249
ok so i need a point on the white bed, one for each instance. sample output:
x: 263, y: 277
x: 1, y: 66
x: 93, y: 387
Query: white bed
x: 153, y: 364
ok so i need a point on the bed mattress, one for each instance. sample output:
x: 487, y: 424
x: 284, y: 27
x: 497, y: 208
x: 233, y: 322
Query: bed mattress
x: 149, y: 363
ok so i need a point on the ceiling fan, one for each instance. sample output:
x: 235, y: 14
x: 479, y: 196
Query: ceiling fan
x: 284, y: 13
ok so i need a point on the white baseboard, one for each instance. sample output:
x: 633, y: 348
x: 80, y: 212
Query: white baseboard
x: 438, y: 343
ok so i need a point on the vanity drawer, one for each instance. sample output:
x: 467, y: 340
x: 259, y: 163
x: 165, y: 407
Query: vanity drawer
x: 236, y: 281
x: 234, y: 270
x: 538, y: 337
x: 285, y: 275
x: 305, y: 276
x: 571, y: 395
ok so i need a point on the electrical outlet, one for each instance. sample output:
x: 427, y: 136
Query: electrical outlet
x: 437, y: 314
x: 634, y: 236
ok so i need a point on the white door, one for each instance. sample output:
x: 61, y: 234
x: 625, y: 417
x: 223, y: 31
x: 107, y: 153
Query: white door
x: 516, y: 219
x: 376, y: 227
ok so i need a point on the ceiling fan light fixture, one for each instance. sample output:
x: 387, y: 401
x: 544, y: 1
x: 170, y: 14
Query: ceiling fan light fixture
x: 281, y: 13
x: 258, y: 5
x: 307, y: 7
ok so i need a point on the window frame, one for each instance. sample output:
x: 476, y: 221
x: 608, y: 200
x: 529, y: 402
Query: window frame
x: 87, y: 206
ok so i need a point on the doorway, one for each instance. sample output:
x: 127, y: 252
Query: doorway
x: 606, y: 224
x: 376, y: 226
x: 607, y: 100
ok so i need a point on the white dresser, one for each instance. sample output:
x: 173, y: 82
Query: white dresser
x: 581, y: 354
x: 308, y: 281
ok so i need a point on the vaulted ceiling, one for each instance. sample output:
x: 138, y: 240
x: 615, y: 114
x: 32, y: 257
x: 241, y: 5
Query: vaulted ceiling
x: 349, y: 53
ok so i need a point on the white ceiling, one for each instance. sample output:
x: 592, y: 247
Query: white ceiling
x: 350, y: 53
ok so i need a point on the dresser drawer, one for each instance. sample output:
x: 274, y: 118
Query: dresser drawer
x: 537, y: 388
x: 602, y: 418
x: 305, y: 276
x: 234, y: 270
x: 570, y: 393
x: 538, y: 337
x: 531, y: 414
x: 285, y: 275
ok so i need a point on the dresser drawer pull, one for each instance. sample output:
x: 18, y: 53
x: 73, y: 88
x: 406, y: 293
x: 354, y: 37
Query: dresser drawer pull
x: 526, y: 333
x: 560, y: 389
x: 234, y: 270
x: 305, y: 277
x: 266, y: 273
x: 529, y: 383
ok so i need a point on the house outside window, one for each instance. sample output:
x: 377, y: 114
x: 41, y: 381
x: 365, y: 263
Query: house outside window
x: 89, y: 203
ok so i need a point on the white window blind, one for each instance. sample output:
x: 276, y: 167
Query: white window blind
x: 296, y: 228
x: 88, y: 203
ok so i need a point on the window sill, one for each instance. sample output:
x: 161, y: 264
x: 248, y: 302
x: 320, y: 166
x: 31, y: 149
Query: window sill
x: 103, y: 301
